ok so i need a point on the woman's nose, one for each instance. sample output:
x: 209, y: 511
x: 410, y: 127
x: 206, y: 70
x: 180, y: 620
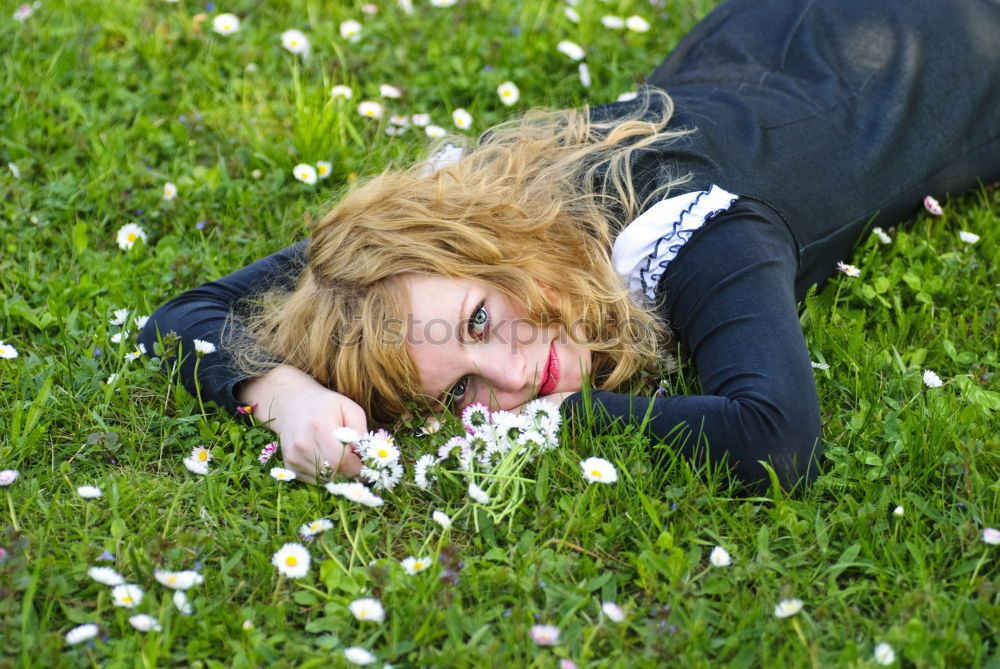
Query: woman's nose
x: 506, y: 372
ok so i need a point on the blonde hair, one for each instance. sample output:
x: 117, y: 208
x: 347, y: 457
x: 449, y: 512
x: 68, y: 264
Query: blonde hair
x: 531, y: 208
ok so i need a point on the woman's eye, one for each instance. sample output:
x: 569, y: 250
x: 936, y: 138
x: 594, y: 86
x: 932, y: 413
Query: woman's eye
x: 458, y: 390
x: 480, y: 319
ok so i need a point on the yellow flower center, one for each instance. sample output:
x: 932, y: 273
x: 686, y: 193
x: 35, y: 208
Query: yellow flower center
x: 596, y: 474
x: 314, y: 526
x: 172, y: 579
x: 507, y: 94
x: 132, y: 237
x: 126, y: 599
x: 291, y: 561
x: 294, y: 42
x: 382, y: 453
x: 418, y: 565
x: 203, y: 456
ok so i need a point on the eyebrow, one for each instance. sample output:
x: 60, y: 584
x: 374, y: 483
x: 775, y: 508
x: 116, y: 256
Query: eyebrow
x: 443, y: 395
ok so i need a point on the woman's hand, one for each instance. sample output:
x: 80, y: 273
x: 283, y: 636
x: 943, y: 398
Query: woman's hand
x: 304, y: 413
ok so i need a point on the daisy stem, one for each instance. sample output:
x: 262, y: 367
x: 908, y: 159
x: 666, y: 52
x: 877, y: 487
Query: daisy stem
x: 277, y: 526
x: 313, y: 590
x: 802, y: 637
x: 353, y: 540
x: 197, y: 385
x: 329, y: 553
x: 972, y: 580
x: 13, y: 517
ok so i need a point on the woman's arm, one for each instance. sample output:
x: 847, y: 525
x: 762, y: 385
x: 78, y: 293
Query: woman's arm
x: 729, y: 296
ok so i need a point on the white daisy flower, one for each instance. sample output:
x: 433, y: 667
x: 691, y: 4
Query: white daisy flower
x: 478, y: 494
x: 720, y: 557
x: 933, y: 206
x: 462, y: 119
x: 405, y: 5
x: 442, y: 158
x: 121, y: 315
x: 127, y: 595
x: 968, y: 237
x: 379, y: 447
x: 117, y: 337
x: 637, y: 24
x: 442, y: 519
x: 443, y: 3
x: 898, y: 511
x: 82, y: 633
x: 315, y: 527
x: 435, y: 131
x: 346, y: 435
x: 369, y: 8
x: 341, y: 91
x: 358, y: 656
x: 128, y: 235
x: 305, y: 173
x: 571, y: 49
x: 422, y: 468
x: 178, y: 580
x: 882, y: 235
x: 819, y: 365
x: 196, y: 466
x: 112, y: 379
x: 370, y: 109
x: 89, y: 491
x: 182, y: 603
x: 8, y: 476
x: 292, y: 560
x: 389, y: 91
x: 384, y: 478
x: 137, y: 353
x: 106, y: 576
x: 13, y: 168
x: 296, y: 42
x: 584, y: 75
x: 572, y: 14
x: 323, y: 168
x: 350, y: 30
x: 420, y: 120
x: 144, y: 623
x: 628, y: 96
x: 7, y: 352
x: 884, y: 654
x: 415, y: 565
x: 599, y: 470
x: 169, y: 191
x: 787, y: 607
x: 282, y: 474
x: 356, y: 492
x: 226, y: 24
x: 400, y: 120
x: 431, y: 426
x: 614, y: 612
x: 202, y: 347
x: 849, y: 270
x: 613, y: 22
x: 545, y: 635
x: 140, y: 321
x: 509, y: 93
x: 22, y: 14
x: 991, y: 536
x: 368, y: 609
x: 932, y: 380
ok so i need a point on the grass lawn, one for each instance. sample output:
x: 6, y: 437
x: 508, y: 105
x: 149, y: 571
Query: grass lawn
x: 105, y: 103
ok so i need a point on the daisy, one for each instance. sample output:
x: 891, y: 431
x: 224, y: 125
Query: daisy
x: 112, y: 379
x: 323, y: 168
x: 140, y: 321
x: 884, y: 654
x: 178, y: 580
x: 613, y: 22
x: 627, y: 96
x: 196, y: 466
x: 571, y: 14
x: 82, y: 633
x: 136, y: 354
x: 182, y: 603
x: 89, y: 491
x: 787, y: 607
x: 442, y: 519
x: 296, y: 42
x: 202, y: 347
x: 991, y: 536
x: 478, y: 494
x: 599, y: 470
x: 267, y: 452
x: 369, y: 8
x: 414, y: 565
x: 341, y: 91
x: 368, y: 610
x: 370, y: 109
x: 128, y: 235
x: 127, y: 595
x: 720, y: 557
x: 23, y: 13
x: 106, y: 576
x: 388, y: 91
x: 584, y: 75
x: 614, y: 612
x: 571, y: 49
x: 443, y: 3
x: 461, y: 118
x: 350, y: 30
x: 121, y: 315
x: 882, y: 235
x: 933, y: 206
x: 420, y: 119
x: 932, y: 380
x: 435, y: 131
x: 898, y: 511
x: 545, y: 635
x: 358, y: 656
x: 309, y: 530
x: 117, y: 337
x: 386, y: 478
x: 637, y: 24
x: 305, y: 173
x: 442, y: 158
x: 7, y: 352
x: 968, y: 237
x: 509, y: 93
x: 405, y: 5
x: 431, y: 426
x: 8, y: 476
x: 144, y: 623
x: 849, y: 270
x: 422, y: 468
x: 292, y: 560
x: 380, y: 448
x: 356, y: 492
x: 346, y: 435
x: 819, y: 365
x: 226, y: 24
x: 282, y: 474
x: 169, y: 191
x: 14, y: 171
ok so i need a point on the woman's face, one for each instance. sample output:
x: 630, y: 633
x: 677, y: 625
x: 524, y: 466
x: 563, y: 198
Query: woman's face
x: 471, y: 343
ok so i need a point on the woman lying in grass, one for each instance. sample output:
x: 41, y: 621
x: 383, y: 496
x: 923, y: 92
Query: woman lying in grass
x: 572, y: 248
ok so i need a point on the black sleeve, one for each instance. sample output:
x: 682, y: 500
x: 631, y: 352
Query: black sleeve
x: 202, y: 313
x: 729, y: 296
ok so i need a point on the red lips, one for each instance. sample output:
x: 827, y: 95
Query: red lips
x: 550, y: 376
